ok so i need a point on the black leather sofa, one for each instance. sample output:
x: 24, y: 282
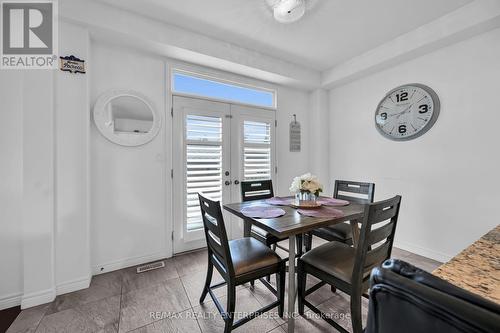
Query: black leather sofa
x: 405, y: 299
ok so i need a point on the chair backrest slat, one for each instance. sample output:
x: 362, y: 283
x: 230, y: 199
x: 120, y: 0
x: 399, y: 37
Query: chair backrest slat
x: 215, y: 244
x: 375, y: 243
x: 212, y: 225
x: 376, y: 256
x: 256, y: 190
x: 356, y: 192
x: 379, y: 234
x: 384, y: 214
x: 215, y: 232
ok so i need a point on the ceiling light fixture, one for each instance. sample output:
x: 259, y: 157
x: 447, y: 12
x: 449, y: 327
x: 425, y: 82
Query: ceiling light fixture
x: 288, y: 11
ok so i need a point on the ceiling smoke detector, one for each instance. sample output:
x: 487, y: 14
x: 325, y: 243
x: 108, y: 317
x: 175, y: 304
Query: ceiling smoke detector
x: 288, y: 11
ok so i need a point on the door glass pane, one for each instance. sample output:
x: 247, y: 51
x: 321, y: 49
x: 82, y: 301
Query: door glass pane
x: 256, y: 150
x: 203, y: 165
x: 203, y: 128
x: 255, y: 132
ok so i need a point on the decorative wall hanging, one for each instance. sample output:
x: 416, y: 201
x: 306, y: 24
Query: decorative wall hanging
x: 295, y: 135
x: 72, y: 64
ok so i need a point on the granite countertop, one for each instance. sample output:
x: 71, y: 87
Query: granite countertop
x: 477, y: 268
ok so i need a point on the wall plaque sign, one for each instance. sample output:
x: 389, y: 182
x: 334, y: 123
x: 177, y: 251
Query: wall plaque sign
x: 294, y: 135
x: 72, y: 64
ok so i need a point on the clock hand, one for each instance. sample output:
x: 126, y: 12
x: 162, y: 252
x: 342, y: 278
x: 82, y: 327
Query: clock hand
x: 408, y: 109
x: 399, y: 113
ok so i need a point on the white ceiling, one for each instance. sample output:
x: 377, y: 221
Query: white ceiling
x: 330, y: 33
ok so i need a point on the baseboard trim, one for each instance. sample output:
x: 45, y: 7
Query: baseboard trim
x: 42, y: 297
x: 426, y: 252
x: 9, y: 301
x: 37, y: 298
x: 73, y: 285
x: 126, y: 262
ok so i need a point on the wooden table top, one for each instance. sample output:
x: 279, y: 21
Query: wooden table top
x: 293, y: 223
x: 477, y: 268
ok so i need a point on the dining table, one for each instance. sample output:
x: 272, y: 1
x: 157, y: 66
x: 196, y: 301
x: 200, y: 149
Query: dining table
x: 290, y: 225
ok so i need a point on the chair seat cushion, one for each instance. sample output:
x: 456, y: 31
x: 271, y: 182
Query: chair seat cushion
x: 334, y: 258
x: 341, y: 232
x: 248, y: 254
x: 264, y: 236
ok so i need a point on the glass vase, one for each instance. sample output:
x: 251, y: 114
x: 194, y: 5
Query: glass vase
x: 305, y: 199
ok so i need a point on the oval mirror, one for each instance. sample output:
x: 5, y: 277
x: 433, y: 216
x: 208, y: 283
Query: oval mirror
x: 126, y: 118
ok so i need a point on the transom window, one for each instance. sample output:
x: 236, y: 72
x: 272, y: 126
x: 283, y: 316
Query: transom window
x: 190, y: 84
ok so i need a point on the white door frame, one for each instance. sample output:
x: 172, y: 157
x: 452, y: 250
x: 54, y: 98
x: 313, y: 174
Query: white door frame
x: 187, y: 240
x: 233, y: 116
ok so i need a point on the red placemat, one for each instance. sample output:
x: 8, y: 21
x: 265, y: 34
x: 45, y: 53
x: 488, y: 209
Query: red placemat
x: 280, y: 201
x: 262, y: 212
x: 321, y: 212
x: 325, y: 201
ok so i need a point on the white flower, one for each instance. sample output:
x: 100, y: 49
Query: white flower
x: 307, y: 176
x: 295, y: 187
x: 306, y: 183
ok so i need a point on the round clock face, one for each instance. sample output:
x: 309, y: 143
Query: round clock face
x: 407, y: 112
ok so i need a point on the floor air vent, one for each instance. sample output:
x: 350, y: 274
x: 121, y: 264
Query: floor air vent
x: 150, y: 267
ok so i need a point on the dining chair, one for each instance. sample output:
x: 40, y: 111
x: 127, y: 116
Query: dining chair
x: 348, y: 268
x: 238, y: 261
x: 258, y: 190
x: 355, y: 192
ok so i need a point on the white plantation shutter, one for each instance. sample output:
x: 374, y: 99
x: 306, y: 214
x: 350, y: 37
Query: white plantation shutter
x: 256, y: 150
x: 203, y: 164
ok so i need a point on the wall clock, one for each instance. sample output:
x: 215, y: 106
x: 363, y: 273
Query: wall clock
x: 407, y: 112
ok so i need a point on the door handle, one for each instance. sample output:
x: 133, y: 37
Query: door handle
x: 227, y: 182
x: 236, y: 182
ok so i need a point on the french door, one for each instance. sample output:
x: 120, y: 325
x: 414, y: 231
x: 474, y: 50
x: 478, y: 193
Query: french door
x: 216, y: 146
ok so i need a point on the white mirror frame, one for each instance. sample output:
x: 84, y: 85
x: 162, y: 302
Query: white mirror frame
x: 100, y: 119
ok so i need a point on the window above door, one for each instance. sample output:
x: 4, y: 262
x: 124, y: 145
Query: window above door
x: 186, y: 83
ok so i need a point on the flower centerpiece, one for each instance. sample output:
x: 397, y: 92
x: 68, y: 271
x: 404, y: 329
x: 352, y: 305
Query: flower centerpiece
x: 306, y: 189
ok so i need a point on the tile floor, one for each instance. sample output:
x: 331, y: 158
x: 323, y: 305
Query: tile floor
x: 166, y: 300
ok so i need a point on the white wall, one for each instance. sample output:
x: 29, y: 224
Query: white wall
x: 44, y: 144
x: 27, y: 188
x: 11, y: 188
x: 291, y: 164
x: 38, y: 188
x: 128, y: 184
x: 449, y: 177
x: 319, y: 137
x: 72, y: 120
